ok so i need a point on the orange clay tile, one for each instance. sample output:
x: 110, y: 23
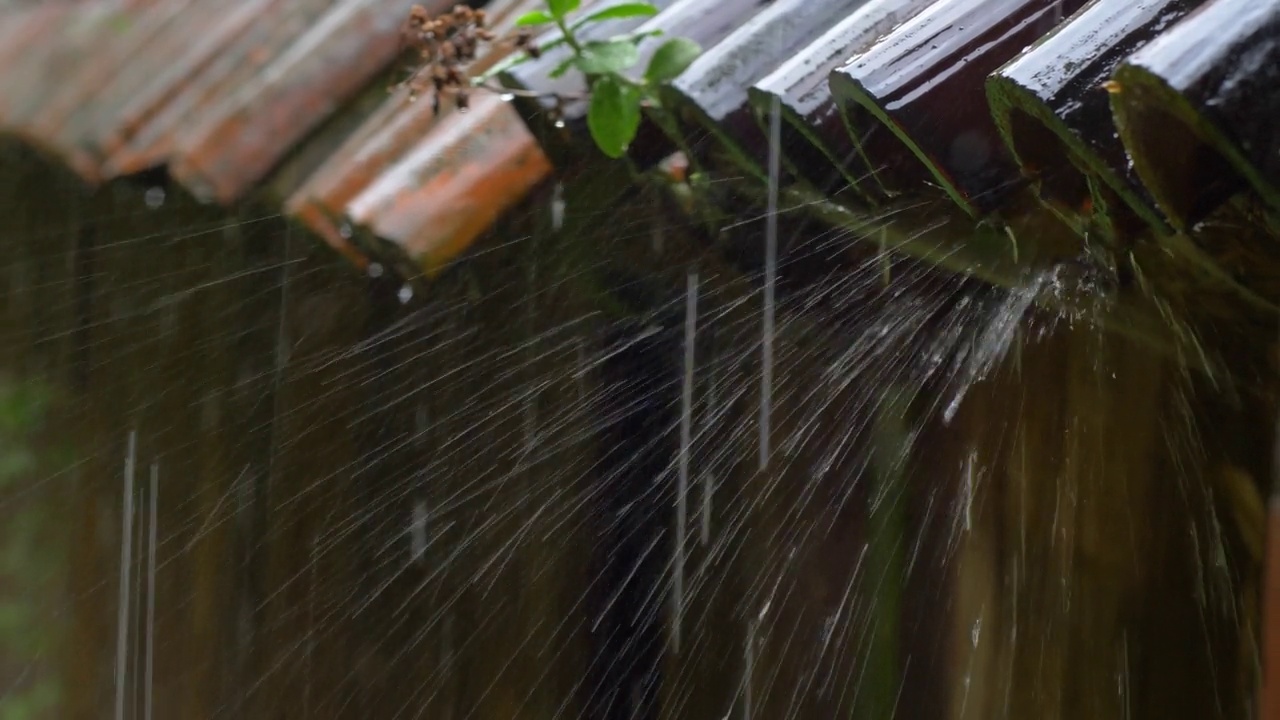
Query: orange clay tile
x: 224, y: 157
x: 165, y: 82
x: 455, y: 184
x: 382, y: 139
x: 55, y: 65
x: 71, y: 101
x: 97, y: 114
x: 29, y: 28
x: 230, y: 67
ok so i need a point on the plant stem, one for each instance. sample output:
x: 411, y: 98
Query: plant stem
x: 569, y: 39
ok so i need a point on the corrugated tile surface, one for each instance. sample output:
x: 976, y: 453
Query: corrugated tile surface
x: 223, y: 94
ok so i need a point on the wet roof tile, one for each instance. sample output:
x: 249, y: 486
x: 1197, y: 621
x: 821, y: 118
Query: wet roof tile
x: 52, y: 61
x: 248, y: 50
x: 813, y: 134
x: 450, y: 187
x: 242, y: 141
x: 712, y: 93
x: 1057, y: 87
x: 225, y: 94
x: 1211, y: 87
x: 380, y: 141
x: 214, y: 36
x: 128, y: 45
x: 926, y: 80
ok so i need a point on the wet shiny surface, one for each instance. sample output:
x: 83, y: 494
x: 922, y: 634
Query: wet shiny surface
x: 1213, y: 75
x: 712, y: 93
x: 802, y: 88
x: 925, y: 81
x: 1059, y: 84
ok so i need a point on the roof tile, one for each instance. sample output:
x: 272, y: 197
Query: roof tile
x: 711, y: 94
x: 233, y: 65
x: 225, y: 156
x: 925, y: 82
x: 380, y: 141
x: 814, y: 136
x: 453, y: 184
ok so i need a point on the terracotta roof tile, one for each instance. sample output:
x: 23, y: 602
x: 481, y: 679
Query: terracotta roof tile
x: 231, y: 67
x: 380, y: 141
x: 52, y: 60
x: 451, y: 186
x: 242, y: 140
x: 143, y: 106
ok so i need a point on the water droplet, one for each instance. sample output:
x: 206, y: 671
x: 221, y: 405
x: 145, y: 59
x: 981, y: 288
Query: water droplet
x: 506, y: 97
x: 559, y: 123
x: 405, y: 294
x: 375, y: 270
x: 557, y: 207
x: 154, y: 197
x: 346, y: 231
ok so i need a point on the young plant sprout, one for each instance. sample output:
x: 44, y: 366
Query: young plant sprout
x: 447, y: 44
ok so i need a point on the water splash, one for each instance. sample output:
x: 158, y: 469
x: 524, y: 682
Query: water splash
x: 993, y: 343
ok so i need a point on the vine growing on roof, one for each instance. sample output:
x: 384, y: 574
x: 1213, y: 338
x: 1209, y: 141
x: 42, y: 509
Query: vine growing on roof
x: 449, y: 45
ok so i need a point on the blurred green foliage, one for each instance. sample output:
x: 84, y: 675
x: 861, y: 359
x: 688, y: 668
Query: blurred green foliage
x: 31, y: 560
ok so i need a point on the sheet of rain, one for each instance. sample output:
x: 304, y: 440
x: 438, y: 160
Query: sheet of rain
x: 607, y: 466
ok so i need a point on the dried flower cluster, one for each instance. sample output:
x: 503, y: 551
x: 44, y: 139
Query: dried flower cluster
x: 447, y: 44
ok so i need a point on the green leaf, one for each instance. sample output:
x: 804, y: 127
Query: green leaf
x: 671, y: 59
x: 537, y: 17
x: 614, y: 115
x: 607, y: 56
x: 624, y: 10
x: 560, y: 8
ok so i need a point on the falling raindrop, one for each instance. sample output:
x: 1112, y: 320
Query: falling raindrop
x: 557, y: 207
x: 126, y: 553
x: 154, y: 197
x: 346, y: 231
x: 418, y: 532
x: 151, y: 589
x: 770, y: 280
x: 375, y: 270
x: 686, y: 439
x: 405, y: 294
x: 559, y: 124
